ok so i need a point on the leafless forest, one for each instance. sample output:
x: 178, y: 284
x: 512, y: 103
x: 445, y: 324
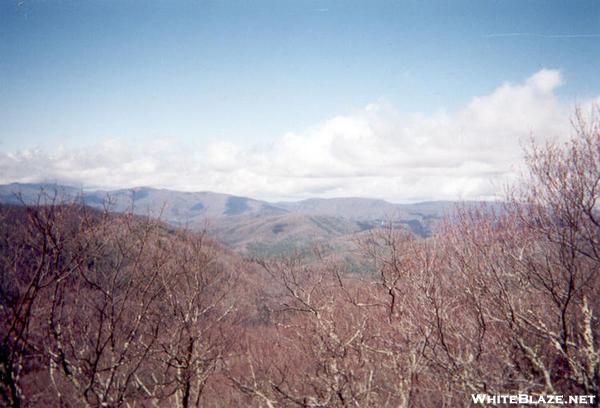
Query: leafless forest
x: 106, y: 309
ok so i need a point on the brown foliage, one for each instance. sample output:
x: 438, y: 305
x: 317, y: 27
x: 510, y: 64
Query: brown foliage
x: 99, y: 309
x: 105, y: 309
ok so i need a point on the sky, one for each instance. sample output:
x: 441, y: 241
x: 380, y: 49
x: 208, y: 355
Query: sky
x: 400, y: 100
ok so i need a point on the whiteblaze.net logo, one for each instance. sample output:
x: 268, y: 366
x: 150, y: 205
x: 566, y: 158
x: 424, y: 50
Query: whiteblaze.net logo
x: 487, y: 399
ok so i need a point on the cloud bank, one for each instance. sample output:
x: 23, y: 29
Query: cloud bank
x: 376, y: 152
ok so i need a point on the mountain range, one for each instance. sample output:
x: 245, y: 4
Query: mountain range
x: 252, y: 227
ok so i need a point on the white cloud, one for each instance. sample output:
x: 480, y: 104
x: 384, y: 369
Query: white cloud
x: 377, y: 152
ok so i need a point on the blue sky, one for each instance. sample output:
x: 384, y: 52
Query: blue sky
x: 77, y: 74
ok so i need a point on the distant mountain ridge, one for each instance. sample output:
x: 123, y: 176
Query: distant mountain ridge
x: 246, y: 224
x: 177, y: 207
x: 352, y: 208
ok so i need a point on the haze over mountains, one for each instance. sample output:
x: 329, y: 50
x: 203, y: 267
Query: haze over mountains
x: 251, y: 226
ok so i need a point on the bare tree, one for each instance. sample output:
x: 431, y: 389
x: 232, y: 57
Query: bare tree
x: 527, y: 278
x: 33, y: 250
x: 198, y: 307
x: 110, y: 309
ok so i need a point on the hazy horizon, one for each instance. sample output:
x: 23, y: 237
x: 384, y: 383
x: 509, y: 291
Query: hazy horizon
x: 48, y: 185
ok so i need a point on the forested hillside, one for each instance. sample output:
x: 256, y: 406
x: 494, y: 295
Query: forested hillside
x: 114, y: 309
x: 249, y: 226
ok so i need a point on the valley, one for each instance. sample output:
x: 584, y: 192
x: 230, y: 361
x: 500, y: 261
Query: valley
x: 252, y: 227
